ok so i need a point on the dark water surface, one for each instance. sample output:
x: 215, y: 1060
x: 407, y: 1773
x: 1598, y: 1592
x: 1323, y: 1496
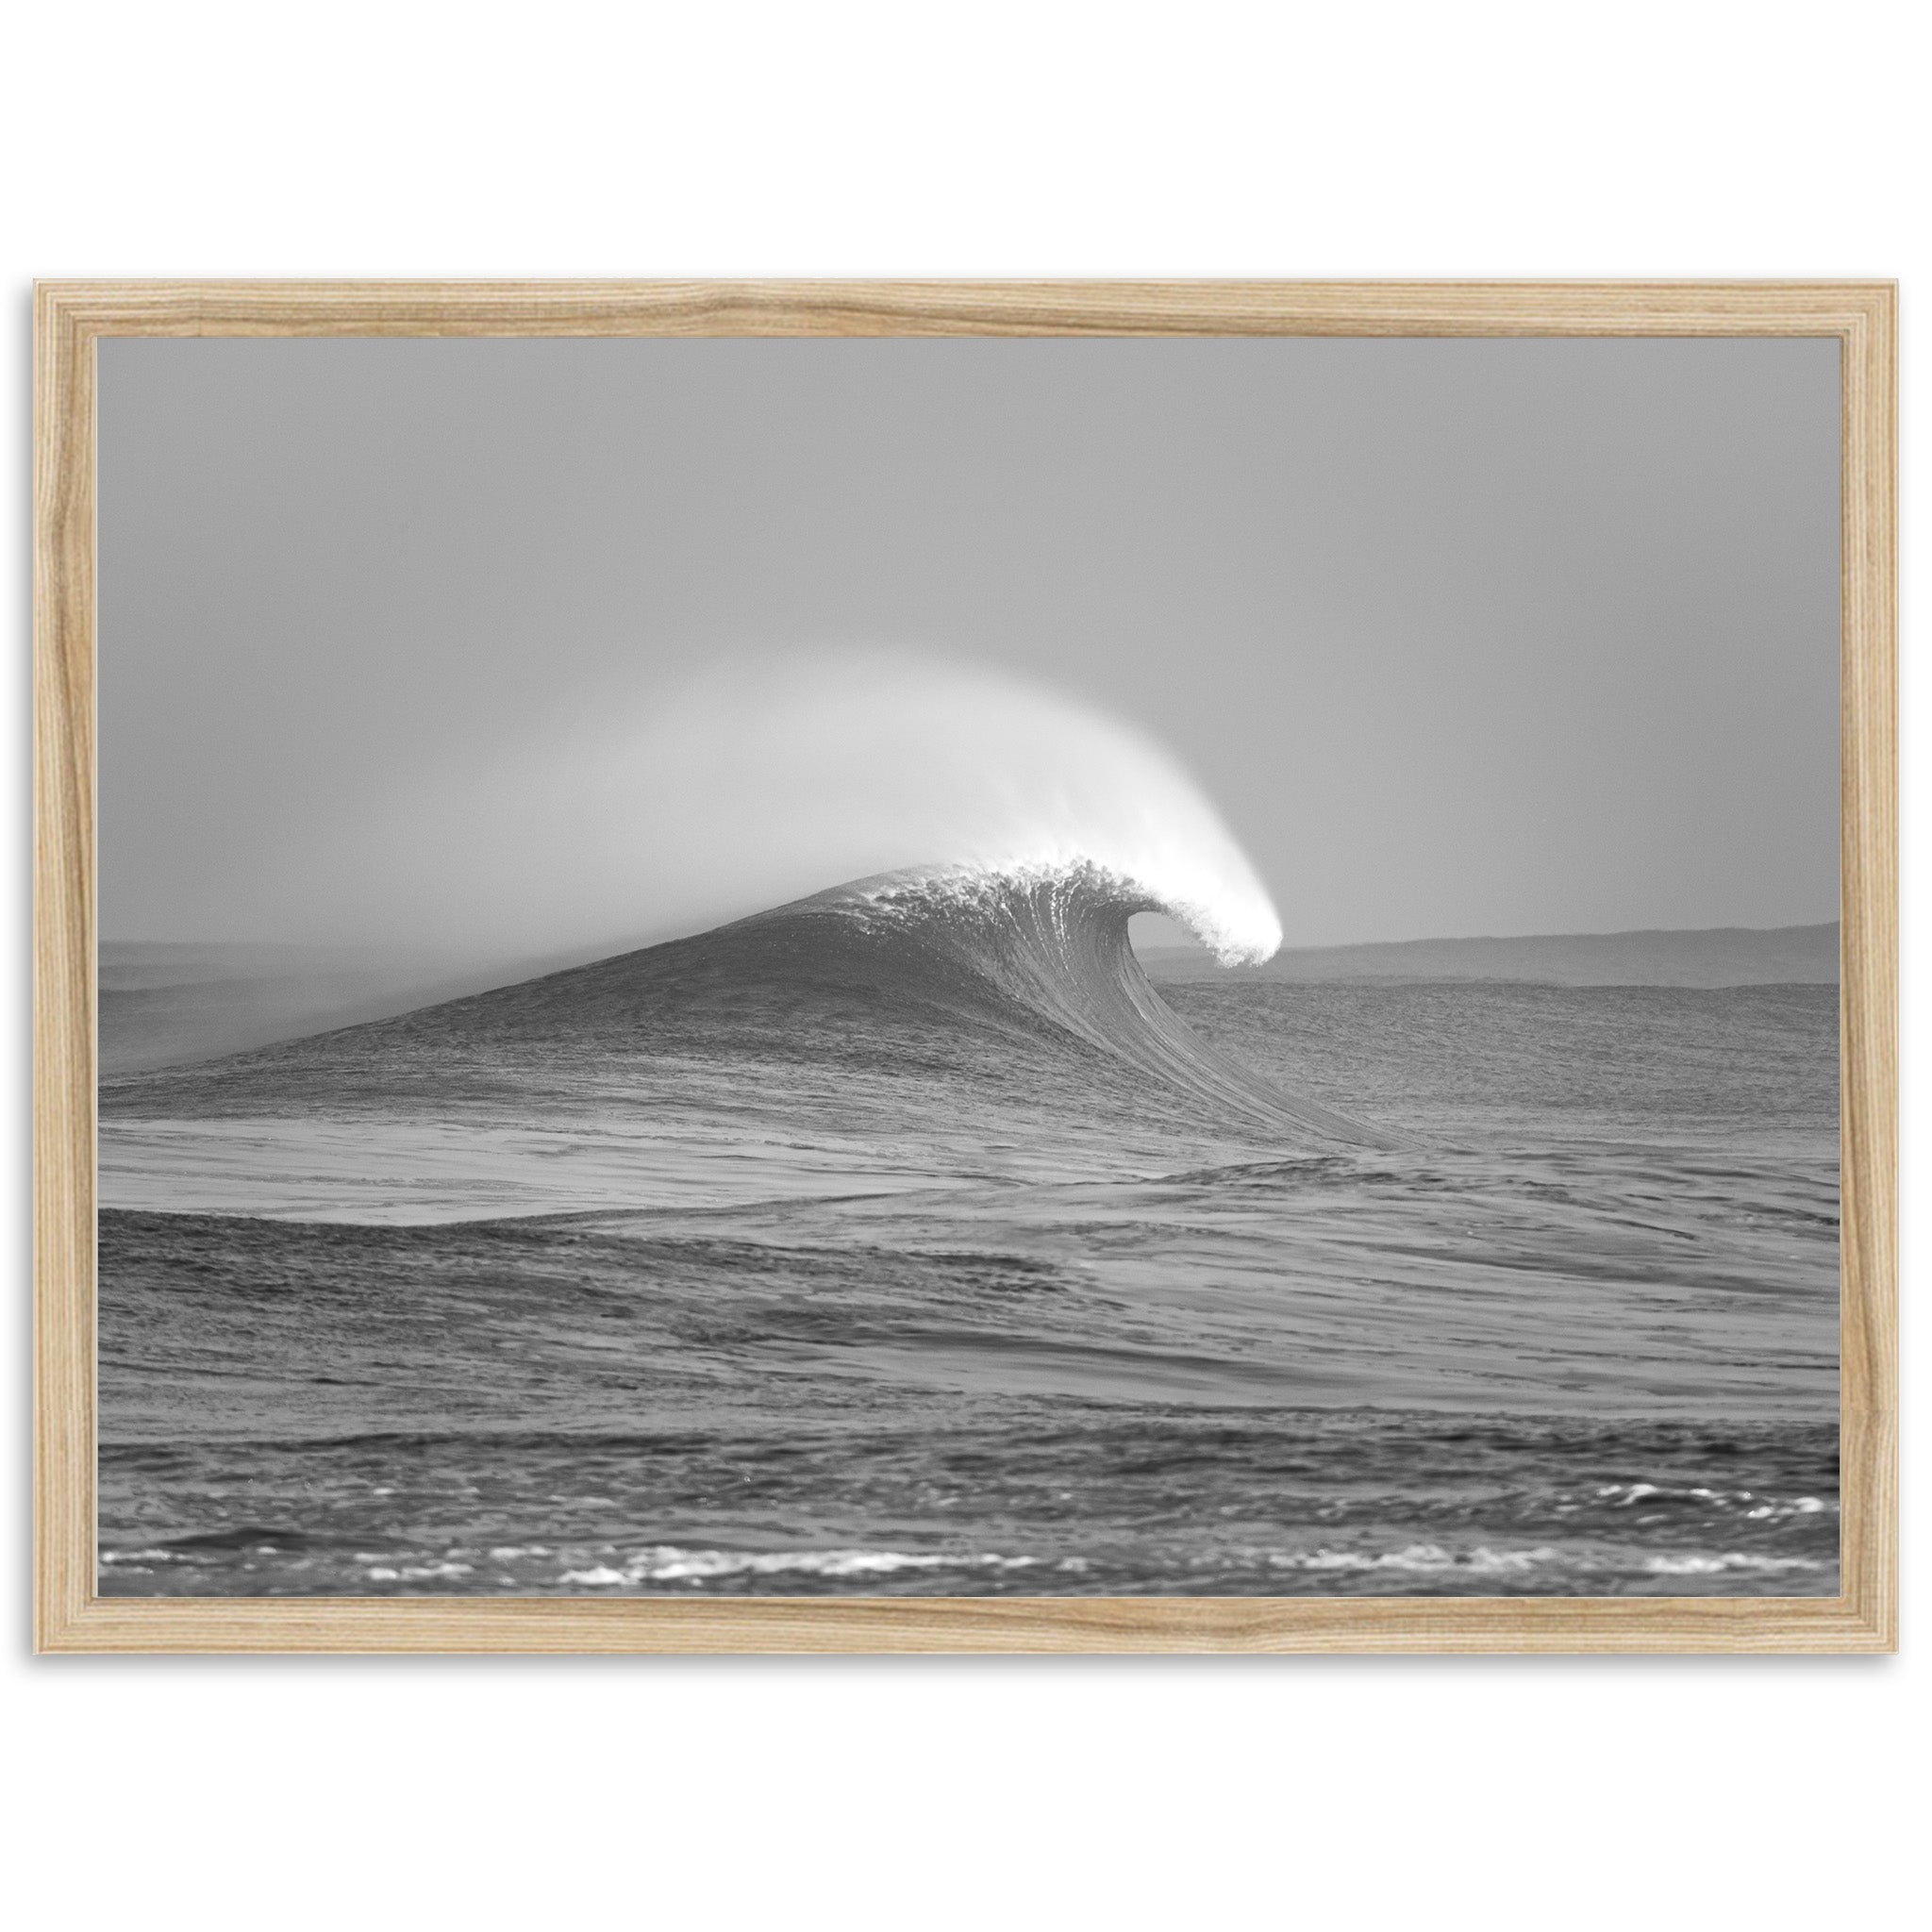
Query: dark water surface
x: 964, y: 1278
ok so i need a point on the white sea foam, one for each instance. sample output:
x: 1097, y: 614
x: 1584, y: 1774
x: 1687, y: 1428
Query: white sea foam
x: 1697, y: 1564
x: 1748, y: 1502
x: 1416, y: 1557
x: 667, y: 1563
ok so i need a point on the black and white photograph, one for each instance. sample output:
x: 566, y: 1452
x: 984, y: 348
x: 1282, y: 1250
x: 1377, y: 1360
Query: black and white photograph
x: 969, y: 967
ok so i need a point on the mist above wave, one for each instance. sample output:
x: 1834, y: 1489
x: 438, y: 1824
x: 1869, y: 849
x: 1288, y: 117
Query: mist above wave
x: 767, y: 779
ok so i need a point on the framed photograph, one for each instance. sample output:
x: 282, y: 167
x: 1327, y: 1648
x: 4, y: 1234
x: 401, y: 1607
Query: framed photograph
x: 1025, y: 967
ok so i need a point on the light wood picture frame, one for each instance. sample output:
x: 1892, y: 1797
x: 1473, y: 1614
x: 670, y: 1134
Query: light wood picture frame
x: 72, y: 318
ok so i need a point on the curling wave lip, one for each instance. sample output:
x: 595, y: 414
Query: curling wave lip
x: 1237, y: 934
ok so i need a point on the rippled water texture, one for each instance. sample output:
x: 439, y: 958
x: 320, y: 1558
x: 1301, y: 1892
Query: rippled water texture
x: 905, y: 1242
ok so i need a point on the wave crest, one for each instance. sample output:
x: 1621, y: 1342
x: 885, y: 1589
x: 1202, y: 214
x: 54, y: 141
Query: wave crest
x: 1235, y: 934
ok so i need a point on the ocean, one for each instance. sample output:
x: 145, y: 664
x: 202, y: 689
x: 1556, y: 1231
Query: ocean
x: 910, y: 1240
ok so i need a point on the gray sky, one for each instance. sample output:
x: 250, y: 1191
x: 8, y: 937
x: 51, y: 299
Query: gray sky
x: 1460, y: 637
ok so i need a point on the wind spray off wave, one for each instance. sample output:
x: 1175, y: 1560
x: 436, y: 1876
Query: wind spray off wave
x: 770, y: 778
x: 881, y: 763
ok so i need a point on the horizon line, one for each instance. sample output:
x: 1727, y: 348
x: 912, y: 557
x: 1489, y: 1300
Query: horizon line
x: 1188, y: 943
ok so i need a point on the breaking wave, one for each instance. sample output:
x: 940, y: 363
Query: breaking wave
x: 936, y: 1000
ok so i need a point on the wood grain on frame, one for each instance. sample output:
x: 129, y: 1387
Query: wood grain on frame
x: 70, y: 318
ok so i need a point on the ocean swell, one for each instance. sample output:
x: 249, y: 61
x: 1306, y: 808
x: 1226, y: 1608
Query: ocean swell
x: 948, y: 999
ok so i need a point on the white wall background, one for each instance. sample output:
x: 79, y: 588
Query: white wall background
x: 401, y: 139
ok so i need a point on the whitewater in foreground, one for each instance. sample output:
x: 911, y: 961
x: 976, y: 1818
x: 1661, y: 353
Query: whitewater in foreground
x: 907, y: 1238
